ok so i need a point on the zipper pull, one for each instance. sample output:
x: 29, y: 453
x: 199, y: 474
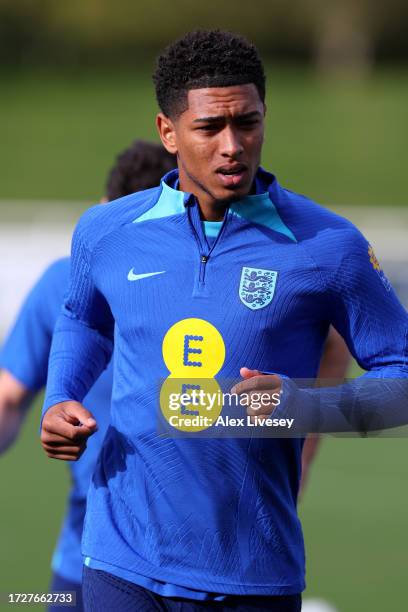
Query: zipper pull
x: 204, y: 259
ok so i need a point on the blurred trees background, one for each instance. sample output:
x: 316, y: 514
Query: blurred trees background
x: 332, y: 34
x: 76, y: 87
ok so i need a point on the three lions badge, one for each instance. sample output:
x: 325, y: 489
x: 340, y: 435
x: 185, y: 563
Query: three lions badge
x: 257, y: 287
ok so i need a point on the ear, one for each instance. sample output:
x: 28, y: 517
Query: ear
x: 167, y: 133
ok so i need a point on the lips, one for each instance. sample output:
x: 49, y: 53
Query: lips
x: 232, y: 175
x: 231, y: 169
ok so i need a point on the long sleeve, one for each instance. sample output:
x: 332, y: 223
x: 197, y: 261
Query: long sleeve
x: 369, y: 316
x: 83, y: 338
x: 26, y: 350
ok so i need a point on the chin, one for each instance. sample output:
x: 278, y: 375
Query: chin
x: 231, y: 195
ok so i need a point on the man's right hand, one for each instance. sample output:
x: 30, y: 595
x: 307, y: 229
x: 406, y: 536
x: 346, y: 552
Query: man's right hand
x: 65, y: 430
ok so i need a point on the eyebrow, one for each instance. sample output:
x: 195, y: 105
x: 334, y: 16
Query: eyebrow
x: 219, y: 118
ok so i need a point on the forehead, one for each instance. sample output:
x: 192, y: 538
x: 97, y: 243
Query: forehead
x: 210, y: 101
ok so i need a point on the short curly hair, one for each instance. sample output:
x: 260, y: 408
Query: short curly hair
x: 138, y: 167
x: 205, y: 58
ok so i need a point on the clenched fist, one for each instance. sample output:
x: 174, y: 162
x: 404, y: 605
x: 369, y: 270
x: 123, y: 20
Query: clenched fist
x: 65, y: 430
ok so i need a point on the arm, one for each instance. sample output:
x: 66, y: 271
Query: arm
x: 24, y: 355
x: 333, y: 367
x: 365, y: 310
x: 367, y: 313
x: 14, y: 400
x: 81, y: 348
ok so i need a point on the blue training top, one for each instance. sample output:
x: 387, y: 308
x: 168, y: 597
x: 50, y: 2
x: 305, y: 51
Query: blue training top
x: 194, y: 516
x: 25, y: 355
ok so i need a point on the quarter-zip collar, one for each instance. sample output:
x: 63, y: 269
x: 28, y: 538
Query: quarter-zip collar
x: 259, y: 208
x: 170, y: 185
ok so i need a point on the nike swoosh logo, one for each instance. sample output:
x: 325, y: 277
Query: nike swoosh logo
x: 134, y: 277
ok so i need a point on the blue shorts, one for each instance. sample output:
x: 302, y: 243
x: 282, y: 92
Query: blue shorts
x: 103, y: 591
x: 58, y: 583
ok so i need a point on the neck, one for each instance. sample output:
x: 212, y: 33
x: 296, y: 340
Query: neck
x: 212, y: 211
x: 210, y: 208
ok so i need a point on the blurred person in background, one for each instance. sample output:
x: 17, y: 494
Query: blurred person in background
x: 24, y: 363
x: 333, y: 368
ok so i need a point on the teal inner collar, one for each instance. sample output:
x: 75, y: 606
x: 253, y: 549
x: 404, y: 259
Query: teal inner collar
x: 212, y: 228
x: 258, y: 208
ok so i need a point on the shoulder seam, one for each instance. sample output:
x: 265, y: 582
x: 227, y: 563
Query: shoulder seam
x: 122, y: 224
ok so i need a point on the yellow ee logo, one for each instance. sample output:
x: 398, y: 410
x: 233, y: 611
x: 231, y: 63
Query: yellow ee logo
x: 194, y: 352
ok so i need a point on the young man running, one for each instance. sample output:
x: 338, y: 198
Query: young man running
x: 219, y: 271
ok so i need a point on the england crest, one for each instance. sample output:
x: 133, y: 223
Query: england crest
x: 257, y: 287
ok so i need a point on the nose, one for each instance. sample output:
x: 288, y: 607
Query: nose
x: 231, y: 144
